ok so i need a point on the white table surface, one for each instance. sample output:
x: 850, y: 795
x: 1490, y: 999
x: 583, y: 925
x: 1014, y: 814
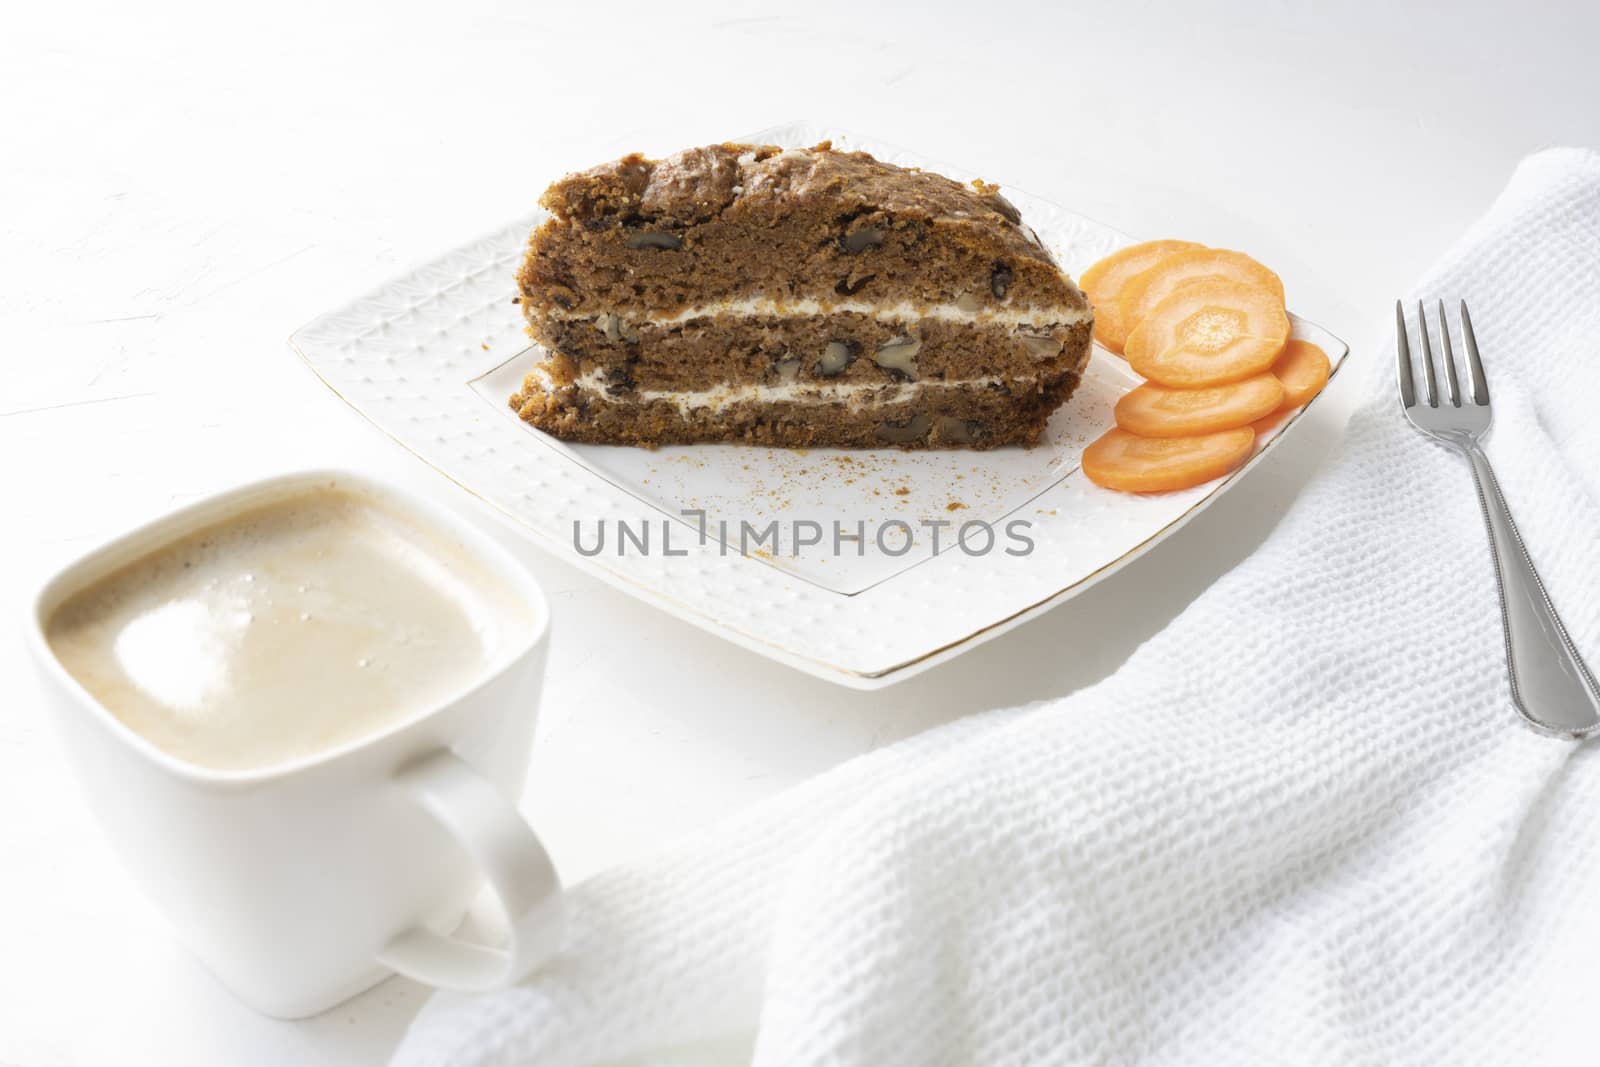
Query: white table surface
x: 182, y: 187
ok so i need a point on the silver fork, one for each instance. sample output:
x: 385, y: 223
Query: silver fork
x: 1550, y: 684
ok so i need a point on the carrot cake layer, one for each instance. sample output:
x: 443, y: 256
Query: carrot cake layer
x: 800, y: 297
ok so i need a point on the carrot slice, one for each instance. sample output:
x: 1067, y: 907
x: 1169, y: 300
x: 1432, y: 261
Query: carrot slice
x: 1274, y: 420
x: 1156, y: 411
x: 1303, y: 369
x: 1133, y: 464
x: 1103, y: 283
x: 1142, y: 292
x: 1207, y: 333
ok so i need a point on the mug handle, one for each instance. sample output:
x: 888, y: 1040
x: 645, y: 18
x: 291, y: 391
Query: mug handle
x: 513, y: 862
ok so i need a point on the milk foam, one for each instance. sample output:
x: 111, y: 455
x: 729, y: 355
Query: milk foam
x: 282, y: 632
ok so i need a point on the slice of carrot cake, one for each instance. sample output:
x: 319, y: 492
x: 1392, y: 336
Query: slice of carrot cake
x: 793, y: 297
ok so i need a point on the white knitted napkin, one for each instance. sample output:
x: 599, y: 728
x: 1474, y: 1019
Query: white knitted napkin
x: 1302, y: 825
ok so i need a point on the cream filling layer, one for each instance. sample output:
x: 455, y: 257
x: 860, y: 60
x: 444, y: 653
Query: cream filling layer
x: 905, y: 311
x: 852, y: 393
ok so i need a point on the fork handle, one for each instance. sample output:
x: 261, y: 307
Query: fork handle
x: 1550, y: 685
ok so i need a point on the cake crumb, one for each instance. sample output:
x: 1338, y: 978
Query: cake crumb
x: 902, y: 491
x: 954, y: 505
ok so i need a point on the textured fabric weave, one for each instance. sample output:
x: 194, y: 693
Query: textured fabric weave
x: 1301, y: 825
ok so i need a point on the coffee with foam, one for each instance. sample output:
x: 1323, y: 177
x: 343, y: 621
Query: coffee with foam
x: 284, y: 631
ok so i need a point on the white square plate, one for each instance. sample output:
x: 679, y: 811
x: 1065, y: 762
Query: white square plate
x: 432, y: 357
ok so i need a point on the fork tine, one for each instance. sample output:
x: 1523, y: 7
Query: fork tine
x: 1408, y: 389
x: 1449, y: 359
x: 1480, y: 384
x: 1431, y: 386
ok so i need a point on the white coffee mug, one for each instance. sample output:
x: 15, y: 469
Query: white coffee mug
x: 303, y: 885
